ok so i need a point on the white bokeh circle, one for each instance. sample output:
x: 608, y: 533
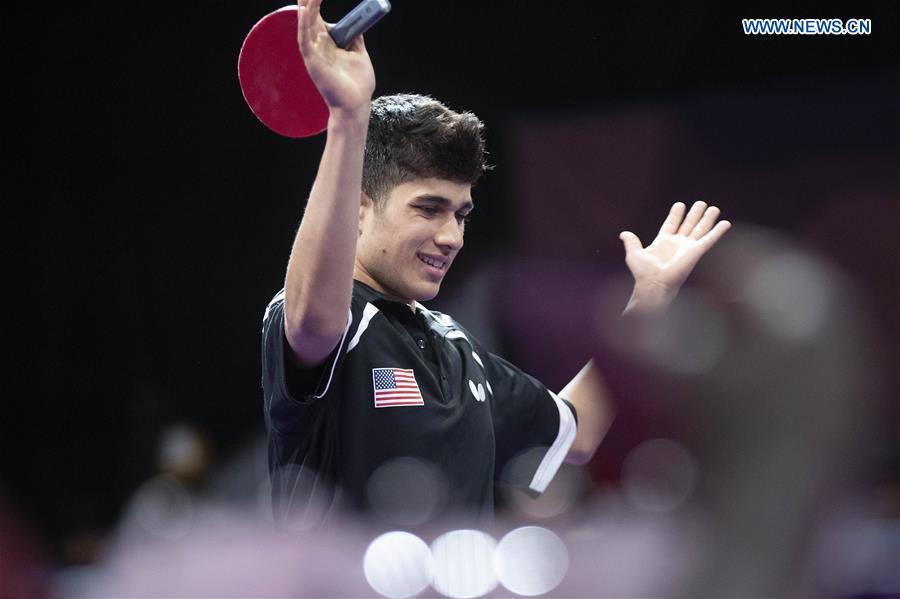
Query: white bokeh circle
x: 398, y: 564
x: 531, y: 560
x: 464, y: 564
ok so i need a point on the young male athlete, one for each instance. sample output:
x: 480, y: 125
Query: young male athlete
x: 356, y: 372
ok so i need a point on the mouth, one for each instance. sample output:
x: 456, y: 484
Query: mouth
x: 438, y: 264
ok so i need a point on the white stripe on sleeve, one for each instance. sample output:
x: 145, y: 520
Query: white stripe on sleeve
x: 368, y: 312
x: 558, y: 451
x: 335, y: 361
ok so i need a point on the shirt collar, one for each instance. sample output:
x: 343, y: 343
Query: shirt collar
x: 382, y: 301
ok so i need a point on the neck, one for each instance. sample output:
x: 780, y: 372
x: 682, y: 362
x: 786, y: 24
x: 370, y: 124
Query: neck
x: 363, y: 277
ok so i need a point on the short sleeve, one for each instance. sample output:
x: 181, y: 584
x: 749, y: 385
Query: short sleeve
x: 288, y: 390
x: 533, y: 427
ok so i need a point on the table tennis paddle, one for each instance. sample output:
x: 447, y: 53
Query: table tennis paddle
x: 274, y: 79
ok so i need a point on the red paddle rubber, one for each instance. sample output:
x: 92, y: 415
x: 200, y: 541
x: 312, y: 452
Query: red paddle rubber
x: 274, y: 79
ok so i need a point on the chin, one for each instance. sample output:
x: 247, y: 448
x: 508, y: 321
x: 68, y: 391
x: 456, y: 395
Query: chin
x: 427, y: 292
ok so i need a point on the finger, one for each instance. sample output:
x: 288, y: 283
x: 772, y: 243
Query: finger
x: 310, y: 19
x: 711, y: 238
x: 313, y: 7
x: 304, y: 27
x: 630, y: 241
x: 706, y: 223
x: 674, y: 219
x: 693, y: 216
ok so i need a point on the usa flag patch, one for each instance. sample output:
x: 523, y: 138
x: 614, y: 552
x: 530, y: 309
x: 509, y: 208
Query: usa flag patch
x: 396, y: 387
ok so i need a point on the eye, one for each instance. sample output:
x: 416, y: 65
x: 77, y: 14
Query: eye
x: 429, y: 210
x: 463, y: 218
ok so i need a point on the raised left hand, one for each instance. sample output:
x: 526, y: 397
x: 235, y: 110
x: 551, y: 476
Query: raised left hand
x: 661, y: 268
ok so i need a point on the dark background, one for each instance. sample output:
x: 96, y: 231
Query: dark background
x: 151, y: 215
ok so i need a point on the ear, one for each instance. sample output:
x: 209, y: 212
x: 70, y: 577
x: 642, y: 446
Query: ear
x: 366, y: 206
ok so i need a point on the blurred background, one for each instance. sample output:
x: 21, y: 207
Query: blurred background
x: 152, y: 217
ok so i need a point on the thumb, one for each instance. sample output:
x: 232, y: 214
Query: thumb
x: 630, y: 241
x: 357, y: 44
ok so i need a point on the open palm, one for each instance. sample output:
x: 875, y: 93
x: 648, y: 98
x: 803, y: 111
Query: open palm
x: 681, y: 241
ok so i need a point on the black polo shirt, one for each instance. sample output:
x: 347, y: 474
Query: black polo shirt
x: 405, y: 384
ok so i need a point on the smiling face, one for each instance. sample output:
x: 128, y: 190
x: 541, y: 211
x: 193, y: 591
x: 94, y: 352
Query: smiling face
x: 407, y: 244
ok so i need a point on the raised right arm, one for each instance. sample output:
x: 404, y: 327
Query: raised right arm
x: 319, y: 280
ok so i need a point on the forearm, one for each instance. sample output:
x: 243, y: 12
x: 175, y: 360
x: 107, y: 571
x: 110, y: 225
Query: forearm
x: 319, y: 277
x: 593, y: 404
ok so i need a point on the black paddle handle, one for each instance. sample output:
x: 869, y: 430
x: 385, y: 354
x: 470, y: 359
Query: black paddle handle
x: 358, y: 21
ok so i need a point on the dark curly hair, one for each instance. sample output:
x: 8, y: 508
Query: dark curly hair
x: 412, y: 137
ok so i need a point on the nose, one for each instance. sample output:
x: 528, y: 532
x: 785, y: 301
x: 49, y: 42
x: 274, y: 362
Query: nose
x: 449, y: 236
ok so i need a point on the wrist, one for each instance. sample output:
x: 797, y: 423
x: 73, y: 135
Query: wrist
x: 354, y: 119
x: 649, y: 297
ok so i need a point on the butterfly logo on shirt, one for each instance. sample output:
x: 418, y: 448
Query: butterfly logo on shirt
x: 444, y: 327
x: 477, y: 391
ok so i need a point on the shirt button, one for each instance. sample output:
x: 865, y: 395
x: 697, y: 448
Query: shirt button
x: 420, y: 343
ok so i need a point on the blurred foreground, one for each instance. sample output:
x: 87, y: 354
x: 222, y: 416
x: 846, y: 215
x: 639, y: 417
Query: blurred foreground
x: 757, y: 472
